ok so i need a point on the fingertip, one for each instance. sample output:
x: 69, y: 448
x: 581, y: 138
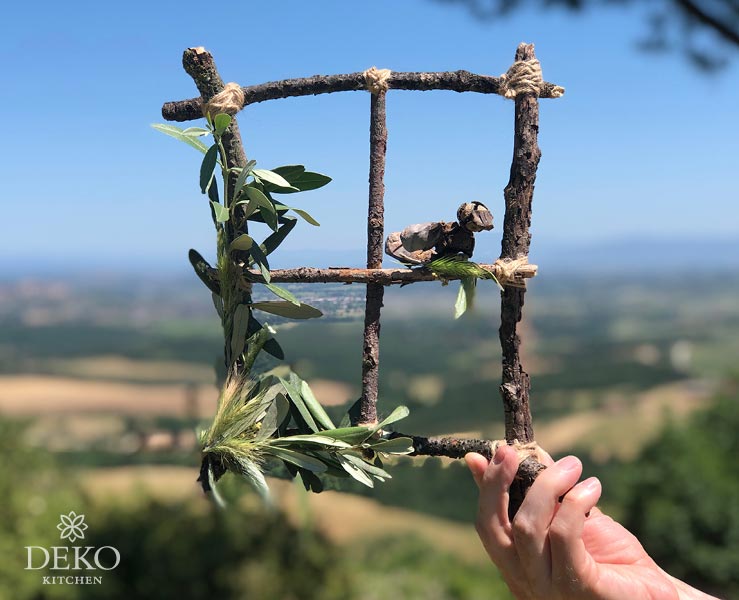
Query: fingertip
x: 477, y: 465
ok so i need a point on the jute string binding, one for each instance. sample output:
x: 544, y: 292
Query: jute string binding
x: 505, y: 269
x: 377, y: 80
x: 523, y: 451
x: 229, y: 100
x: 524, y: 77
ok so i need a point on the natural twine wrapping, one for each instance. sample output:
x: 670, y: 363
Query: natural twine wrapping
x: 505, y: 269
x: 229, y: 100
x: 377, y: 79
x: 524, y: 77
x: 524, y: 451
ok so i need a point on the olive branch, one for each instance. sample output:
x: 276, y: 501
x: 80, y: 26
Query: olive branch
x: 272, y: 416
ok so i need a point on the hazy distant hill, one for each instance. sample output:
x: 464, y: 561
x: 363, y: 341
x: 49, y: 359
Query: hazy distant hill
x: 636, y: 254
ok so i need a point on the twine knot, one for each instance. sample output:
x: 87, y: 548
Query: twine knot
x: 377, y: 80
x: 229, y: 100
x: 524, y: 451
x: 523, y: 77
x: 505, y: 269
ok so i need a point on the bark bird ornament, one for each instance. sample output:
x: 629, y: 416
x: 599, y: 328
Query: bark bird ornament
x: 446, y: 249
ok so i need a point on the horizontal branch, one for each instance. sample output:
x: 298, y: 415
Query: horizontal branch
x: 445, y: 446
x: 455, y: 81
x: 381, y: 276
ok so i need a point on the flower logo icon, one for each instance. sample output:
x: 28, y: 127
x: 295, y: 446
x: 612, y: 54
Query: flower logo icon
x: 72, y: 526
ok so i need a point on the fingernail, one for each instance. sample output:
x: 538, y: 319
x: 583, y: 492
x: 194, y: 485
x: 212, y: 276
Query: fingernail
x: 591, y: 484
x: 499, y: 456
x: 568, y: 463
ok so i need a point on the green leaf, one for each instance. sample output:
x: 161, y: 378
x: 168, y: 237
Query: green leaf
x: 307, y: 217
x: 381, y: 474
x: 218, y: 303
x: 282, y: 293
x: 465, y: 296
x: 222, y: 121
x: 273, y: 178
x: 270, y: 346
x: 289, y: 172
x: 213, y: 190
x: 312, y: 403
x: 195, y: 131
x: 271, y: 243
x: 178, y: 134
x: 217, y: 498
x: 297, y: 458
x: 267, y: 208
x: 300, y: 181
x: 240, y: 328
x: 254, y: 475
x: 400, y: 445
x: 355, y: 471
x: 221, y: 212
x: 261, y: 259
x: 243, y: 242
x: 299, y: 404
x: 351, y: 435
x: 310, y: 181
x: 275, y: 416
x: 401, y: 412
x: 243, y: 174
x: 207, y: 167
x: 288, y: 309
x: 204, y: 271
x: 318, y: 439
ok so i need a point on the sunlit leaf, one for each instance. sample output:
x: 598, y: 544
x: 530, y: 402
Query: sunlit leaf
x: 265, y: 205
x: 298, y: 402
x: 400, y: 412
x: 306, y: 216
x: 288, y: 309
x: 271, y: 177
x: 282, y: 293
x: 318, y: 412
x: 400, y: 445
x: 320, y: 440
x: 243, y: 242
x: 196, y: 131
x: 178, y: 134
x: 222, y: 121
x: 221, y: 212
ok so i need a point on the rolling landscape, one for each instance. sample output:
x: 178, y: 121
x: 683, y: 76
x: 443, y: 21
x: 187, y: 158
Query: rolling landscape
x: 113, y: 377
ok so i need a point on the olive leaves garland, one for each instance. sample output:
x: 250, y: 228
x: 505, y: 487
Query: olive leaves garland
x: 273, y: 416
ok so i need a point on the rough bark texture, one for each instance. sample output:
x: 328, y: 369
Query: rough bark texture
x: 347, y: 275
x: 516, y: 239
x: 445, y: 446
x: 456, y: 81
x: 199, y: 64
x: 375, y: 239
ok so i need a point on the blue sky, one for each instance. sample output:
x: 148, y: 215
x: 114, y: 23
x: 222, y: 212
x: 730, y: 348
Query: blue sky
x: 641, y: 145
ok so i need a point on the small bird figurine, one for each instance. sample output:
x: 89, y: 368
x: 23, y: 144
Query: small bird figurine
x: 421, y: 243
x: 445, y: 249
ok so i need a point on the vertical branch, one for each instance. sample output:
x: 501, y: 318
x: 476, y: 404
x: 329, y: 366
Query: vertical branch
x: 199, y: 64
x: 375, y: 235
x: 518, y: 194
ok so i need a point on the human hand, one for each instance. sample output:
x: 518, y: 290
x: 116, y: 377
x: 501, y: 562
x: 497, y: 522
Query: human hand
x: 568, y: 550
